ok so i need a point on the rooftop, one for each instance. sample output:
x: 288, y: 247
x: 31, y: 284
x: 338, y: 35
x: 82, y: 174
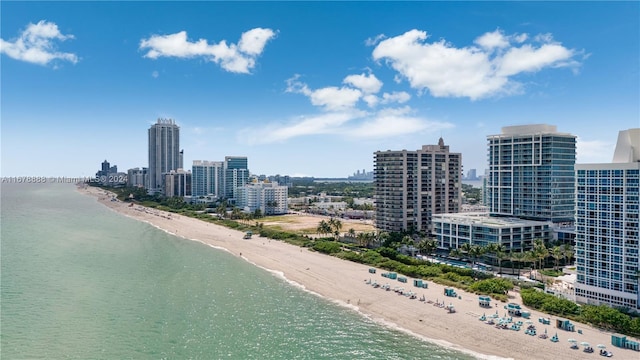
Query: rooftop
x: 483, y: 218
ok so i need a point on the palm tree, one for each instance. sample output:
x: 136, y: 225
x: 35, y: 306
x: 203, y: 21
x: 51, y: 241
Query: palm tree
x: 569, y: 252
x: 369, y: 238
x: 540, y: 251
x: 352, y: 233
x: 381, y: 238
x: 323, y: 228
x: 235, y: 213
x: 557, y: 254
x: 222, y: 209
x: 518, y: 257
x: 455, y: 253
x: 335, y: 226
x: 498, y: 251
x: 531, y: 257
x: 500, y: 256
x: 466, y: 248
x: 361, y: 238
x: 427, y: 245
x: 408, y: 242
x: 475, y: 252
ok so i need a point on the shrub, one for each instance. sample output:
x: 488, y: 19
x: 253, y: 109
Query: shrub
x: 351, y: 256
x: 427, y: 271
x: 491, y: 286
x: 327, y: 247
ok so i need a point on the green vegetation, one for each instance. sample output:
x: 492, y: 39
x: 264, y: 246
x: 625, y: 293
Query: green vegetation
x: 553, y: 273
x: 307, y: 186
x: 601, y: 316
x: 497, y: 288
x: 327, y: 247
x: 472, y: 194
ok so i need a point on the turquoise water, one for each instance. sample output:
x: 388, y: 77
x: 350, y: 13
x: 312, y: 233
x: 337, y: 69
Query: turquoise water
x: 79, y: 281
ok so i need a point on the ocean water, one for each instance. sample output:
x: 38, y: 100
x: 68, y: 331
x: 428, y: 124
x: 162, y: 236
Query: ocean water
x: 79, y: 281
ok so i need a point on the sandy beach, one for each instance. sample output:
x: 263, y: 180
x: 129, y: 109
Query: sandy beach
x: 346, y: 283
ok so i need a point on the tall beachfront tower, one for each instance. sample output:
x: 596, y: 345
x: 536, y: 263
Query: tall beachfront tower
x: 607, y: 227
x: 207, y: 178
x: 411, y: 186
x: 531, y: 173
x: 236, y: 174
x: 164, y: 152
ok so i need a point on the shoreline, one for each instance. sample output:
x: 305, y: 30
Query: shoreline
x: 344, y: 283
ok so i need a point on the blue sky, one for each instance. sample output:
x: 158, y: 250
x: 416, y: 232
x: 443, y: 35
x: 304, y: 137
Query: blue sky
x: 308, y: 88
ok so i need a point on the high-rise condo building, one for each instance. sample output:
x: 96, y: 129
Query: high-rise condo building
x: 236, y: 174
x: 137, y: 177
x: 177, y: 183
x: 207, y: 178
x: 164, y: 152
x: 607, y: 227
x: 531, y: 173
x: 411, y: 186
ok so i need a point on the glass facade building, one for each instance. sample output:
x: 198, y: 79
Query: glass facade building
x: 453, y: 230
x: 207, y: 178
x: 607, y: 229
x: 236, y: 174
x: 531, y: 173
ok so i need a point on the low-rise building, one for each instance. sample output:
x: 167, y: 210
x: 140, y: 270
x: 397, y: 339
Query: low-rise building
x: 454, y: 230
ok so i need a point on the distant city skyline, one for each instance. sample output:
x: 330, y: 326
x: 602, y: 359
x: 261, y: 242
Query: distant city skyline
x: 302, y: 96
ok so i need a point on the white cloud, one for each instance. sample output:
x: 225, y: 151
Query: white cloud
x: 239, y: 58
x: 374, y: 40
x: 334, y: 98
x: 36, y: 44
x: 155, y: 74
x: 400, y: 97
x: 529, y: 59
x: 369, y: 84
x: 253, y: 41
x: 492, y: 40
x: 341, y: 114
x: 349, y: 124
x: 394, y: 122
x: 474, y: 72
x: 520, y: 38
x: 371, y: 100
x: 306, y: 125
x: 593, y: 151
x: 330, y: 98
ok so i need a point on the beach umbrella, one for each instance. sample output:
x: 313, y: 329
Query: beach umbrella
x: 528, y: 322
x: 585, y: 344
x: 572, y: 340
x: 601, y: 346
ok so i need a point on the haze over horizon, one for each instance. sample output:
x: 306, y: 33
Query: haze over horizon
x: 308, y: 88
